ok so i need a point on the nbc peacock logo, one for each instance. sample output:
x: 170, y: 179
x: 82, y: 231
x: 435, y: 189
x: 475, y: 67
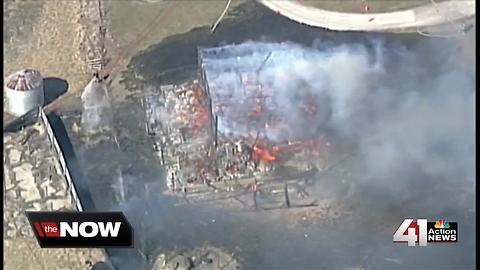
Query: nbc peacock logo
x: 442, y: 224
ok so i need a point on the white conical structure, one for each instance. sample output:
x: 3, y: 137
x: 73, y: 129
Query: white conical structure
x: 97, y: 114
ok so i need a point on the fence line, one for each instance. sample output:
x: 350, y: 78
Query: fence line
x: 66, y: 173
x: 61, y: 158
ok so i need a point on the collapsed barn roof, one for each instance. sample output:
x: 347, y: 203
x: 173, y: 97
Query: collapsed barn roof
x: 248, y: 85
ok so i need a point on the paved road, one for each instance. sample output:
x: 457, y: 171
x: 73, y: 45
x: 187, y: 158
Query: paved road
x: 424, y: 16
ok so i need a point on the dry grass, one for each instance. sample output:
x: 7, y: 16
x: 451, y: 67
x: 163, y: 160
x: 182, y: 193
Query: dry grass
x: 25, y: 254
x: 168, y: 18
x: 52, y: 45
x: 19, y: 27
x: 149, y: 22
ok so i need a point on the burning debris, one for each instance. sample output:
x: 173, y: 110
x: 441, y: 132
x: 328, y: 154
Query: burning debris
x: 246, y: 97
x: 229, y: 134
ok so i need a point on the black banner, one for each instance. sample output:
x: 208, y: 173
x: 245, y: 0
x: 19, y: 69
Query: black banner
x: 81, y: 229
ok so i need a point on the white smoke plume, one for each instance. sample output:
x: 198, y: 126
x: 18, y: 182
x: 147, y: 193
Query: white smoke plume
x: 408, y: 108
x: 405, y: 112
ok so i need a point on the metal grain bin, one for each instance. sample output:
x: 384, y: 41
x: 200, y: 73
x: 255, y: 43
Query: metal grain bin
x: 24, y: 91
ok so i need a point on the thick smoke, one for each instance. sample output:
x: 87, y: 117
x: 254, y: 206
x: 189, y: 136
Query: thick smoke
x: 301, y: 88
x: 407, y: 114
x: 409, y: 109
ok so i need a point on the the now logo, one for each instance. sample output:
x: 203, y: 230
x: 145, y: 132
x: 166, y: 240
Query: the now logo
x: 81, y: 229
x: 85, y: 229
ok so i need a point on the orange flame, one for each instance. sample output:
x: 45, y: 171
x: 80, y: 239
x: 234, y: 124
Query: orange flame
x: 264, y: 154
x: 232, y: 168
x: 257, y: 110
x: 200, y: 118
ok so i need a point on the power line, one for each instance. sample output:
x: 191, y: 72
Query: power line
x: 221, y: 16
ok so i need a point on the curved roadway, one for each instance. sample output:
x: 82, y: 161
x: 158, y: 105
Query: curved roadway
x: 423, y: 16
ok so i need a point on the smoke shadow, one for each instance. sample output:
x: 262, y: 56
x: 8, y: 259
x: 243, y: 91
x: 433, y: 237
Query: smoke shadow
x: 54, y: 88
x: 175, y: 58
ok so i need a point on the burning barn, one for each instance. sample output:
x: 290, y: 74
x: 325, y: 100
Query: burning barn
x: 247, y: 103
x: 250, y: 93
x: 235, y: 125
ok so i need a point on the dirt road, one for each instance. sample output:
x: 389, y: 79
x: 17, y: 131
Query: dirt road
x: 423, y: 16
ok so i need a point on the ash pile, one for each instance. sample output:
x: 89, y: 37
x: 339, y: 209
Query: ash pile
x: 234, y: 135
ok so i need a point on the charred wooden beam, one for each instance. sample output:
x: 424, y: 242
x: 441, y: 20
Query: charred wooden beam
x: 255, y: 190
x: 162, y: 157
x: 216, y: 131
x: 287, y: 199
x: 313, y: 204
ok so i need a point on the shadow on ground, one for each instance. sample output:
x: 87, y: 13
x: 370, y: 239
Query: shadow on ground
x: 175, y: 58
x: 17, y: 123
x: 54, y: 88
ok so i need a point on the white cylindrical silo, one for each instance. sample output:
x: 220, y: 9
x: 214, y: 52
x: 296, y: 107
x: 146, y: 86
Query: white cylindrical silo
x: 24, y: 91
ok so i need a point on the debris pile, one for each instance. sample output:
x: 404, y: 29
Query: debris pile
x: 207, y: 258
x: 204, y: 162
x: 93, y: 33
x: 233, y: 133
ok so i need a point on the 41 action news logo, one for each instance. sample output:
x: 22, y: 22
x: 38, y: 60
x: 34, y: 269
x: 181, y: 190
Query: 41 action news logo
x: 81, y: 229
x: 420, y: 232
